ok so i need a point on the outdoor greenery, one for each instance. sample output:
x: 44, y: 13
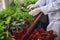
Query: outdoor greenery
x: 15, y: 15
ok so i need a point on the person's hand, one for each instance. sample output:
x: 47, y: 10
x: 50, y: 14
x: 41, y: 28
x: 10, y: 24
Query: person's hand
x: 35, y: 12
x: 32, y: 6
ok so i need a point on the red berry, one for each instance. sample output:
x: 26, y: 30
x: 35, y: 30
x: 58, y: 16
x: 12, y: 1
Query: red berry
x: 48, y: 37
x: 33, y: 36
x: 48, y: 34
x: 42, y: 37
x: 55, y: 35
x: 51, y: 31
x: 35, y: 31
x: 37, y: 34
x: 42, y: 30
x: 38, y: 37
x: 42, y: 33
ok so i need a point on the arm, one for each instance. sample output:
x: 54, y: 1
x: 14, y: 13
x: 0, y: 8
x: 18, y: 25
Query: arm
x: 54, y: 6
x: 41, y: 3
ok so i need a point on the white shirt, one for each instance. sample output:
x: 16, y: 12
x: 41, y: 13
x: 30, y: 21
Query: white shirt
x: 50, y: 8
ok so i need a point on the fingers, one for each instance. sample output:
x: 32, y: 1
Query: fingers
x: 33, y: 13
x: 30, y: 13
x: 29, y: 6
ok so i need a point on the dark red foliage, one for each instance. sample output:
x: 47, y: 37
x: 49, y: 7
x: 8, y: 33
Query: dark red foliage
x: 18, y: 35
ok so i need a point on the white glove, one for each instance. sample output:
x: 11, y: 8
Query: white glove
x: 32, y: 6
x: 35, y: 12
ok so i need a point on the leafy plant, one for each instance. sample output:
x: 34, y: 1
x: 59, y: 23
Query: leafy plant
x: 8, y: 19
x: 2, y: 36
x: 24, y: 3
x: 15, y: 15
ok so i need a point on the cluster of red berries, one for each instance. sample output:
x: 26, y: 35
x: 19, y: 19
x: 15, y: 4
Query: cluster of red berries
x: 42, y: 35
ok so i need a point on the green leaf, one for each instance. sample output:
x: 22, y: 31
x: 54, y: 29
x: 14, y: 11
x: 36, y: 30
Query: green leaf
x: 24, y: 9
x: 8, y: 19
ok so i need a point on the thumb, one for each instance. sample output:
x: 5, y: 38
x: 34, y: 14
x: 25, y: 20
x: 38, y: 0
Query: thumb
x: 30, y: 13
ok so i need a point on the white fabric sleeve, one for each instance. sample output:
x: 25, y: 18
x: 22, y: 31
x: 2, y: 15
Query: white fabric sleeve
x: 41, y: 3
x: 54, y: 6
